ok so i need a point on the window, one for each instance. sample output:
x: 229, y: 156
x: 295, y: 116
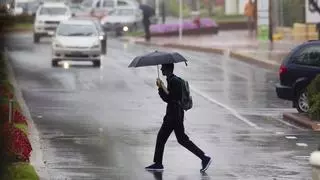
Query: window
x: 309, y: 56
x: 108, y: 3
x: 53, y: 11
x: 87, y: 3
x: 122, y: 3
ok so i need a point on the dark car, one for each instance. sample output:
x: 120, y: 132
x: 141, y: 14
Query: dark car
x: 296, y: 71
x: 103, y: 37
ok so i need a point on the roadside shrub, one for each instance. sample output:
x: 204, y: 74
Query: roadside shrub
x: 187, y: 25
x: 6, y: 89
x: 16, y: 143
x: 313, y: 94
x: 20, y: 171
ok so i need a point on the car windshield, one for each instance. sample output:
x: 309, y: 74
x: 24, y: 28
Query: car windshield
x: 76, y: 30
x: 53, y: 11
x: 122, y: 12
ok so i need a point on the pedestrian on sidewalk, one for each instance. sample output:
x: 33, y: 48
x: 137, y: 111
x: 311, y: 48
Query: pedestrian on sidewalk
x: 147, y: 12
x: 249, y: 11
x: 146, y: 24
x: 173, y: 120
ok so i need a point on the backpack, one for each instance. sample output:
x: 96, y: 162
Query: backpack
x: 186, y: 100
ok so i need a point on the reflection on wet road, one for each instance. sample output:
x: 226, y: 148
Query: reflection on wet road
x: 101, y: 123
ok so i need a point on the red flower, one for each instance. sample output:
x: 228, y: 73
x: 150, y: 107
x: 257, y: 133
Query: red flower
x: 16, y: 143
x: 18, y: 117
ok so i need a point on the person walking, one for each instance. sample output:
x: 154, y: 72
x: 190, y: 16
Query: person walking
x: 173, y: 120
x: 146, y: 25
x: 249, y: 11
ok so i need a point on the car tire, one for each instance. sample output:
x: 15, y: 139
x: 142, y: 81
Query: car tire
x: 96, y: 63
x: 301, y: 102
x: 54, y: 63
x: 104, y: 48
x: 36, y: 38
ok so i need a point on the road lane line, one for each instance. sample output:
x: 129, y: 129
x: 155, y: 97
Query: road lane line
x: 291, y: 137
x: 302, y: 144
x: 232, y: 111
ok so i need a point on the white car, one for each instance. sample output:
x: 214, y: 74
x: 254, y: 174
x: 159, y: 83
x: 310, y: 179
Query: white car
x: 48, y: 17
x: 76, y: 40
x: 123, y: 19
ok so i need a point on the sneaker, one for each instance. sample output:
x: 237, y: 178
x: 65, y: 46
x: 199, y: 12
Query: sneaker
x: 155, y: 167
x: 205, y: 163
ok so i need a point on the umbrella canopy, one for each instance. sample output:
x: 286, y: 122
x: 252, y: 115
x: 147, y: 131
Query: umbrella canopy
x: 157, y: 58
x: 147, y: 10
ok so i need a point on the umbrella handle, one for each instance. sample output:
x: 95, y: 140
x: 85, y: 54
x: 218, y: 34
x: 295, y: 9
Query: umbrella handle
x: 158, y: 70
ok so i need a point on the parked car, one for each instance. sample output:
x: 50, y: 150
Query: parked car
x: 296, y: 71
x: 76, y: 40
x: 122, y: 20
x: 48, y: 17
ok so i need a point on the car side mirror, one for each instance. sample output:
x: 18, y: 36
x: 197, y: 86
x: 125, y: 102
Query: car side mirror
x: 73, y: 14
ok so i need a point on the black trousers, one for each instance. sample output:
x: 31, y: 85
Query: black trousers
x: 174, y: 123
x: 146, y: 26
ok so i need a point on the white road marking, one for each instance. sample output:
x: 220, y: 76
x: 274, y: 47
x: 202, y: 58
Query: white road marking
x: 302, y: 144
x: 232, y: 111
x: 291, y: 137
x: 288, y: 124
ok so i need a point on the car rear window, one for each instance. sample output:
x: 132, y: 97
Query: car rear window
x: 309, y: 56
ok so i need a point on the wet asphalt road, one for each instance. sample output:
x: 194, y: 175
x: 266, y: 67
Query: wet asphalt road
x: 101, y: 123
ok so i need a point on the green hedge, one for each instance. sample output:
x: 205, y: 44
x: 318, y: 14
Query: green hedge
x: 11, y: 20
x: 313, y: 94
x: 20, y: 171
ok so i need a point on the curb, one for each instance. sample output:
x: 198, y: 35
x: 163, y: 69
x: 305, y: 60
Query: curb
x: 221, y: 51
x: 196, y: 48
x: 36, y: 159
x: 302, y: 120
x: 250, y: 59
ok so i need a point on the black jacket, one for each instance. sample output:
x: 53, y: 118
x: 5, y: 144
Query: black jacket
x: 174, y: 86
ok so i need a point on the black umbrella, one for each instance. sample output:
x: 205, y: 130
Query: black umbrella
x: 156, y: 58
x: 147, y: 10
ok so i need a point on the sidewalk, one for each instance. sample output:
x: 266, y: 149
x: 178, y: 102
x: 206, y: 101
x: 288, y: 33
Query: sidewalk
x: 237, y: 44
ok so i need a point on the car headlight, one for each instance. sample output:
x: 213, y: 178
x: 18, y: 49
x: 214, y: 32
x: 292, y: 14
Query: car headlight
x: 125, y: 28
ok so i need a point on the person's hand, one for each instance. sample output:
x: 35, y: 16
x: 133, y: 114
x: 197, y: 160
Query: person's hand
x: 159, y: 83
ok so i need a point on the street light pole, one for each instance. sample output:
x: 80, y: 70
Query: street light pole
x: 270, y: 22
x: 163, y: 7
x: 157, y: 9
x: 180, y: 19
